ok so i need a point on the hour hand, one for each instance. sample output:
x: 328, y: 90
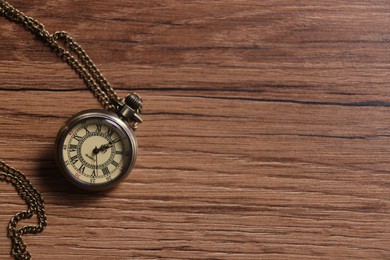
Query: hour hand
x: 104, y: 147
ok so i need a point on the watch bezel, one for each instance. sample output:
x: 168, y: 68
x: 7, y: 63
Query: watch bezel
x: 114, y: 120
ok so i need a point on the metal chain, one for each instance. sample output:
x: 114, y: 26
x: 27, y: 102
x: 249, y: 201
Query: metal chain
x: 35, y: 205
x: 62, y: 44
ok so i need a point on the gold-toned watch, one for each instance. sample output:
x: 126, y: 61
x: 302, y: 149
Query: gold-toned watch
x: 96, y: 149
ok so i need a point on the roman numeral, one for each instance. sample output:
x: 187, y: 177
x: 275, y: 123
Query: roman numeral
x: 78, y: 138
x: 74, y: 159
x: 72, y: 147
x: 127, y: 153
x: 115, y: 163
x: 105, y: 171
x: 98, y: 127
x: 86, y: 129
x: 93, y: 175
x: 116, y: 140
x: 110, y: 131
x: 82, y: 168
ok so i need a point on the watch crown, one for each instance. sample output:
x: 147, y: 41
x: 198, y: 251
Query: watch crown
x: 134, y: 101
x: 129, y: 108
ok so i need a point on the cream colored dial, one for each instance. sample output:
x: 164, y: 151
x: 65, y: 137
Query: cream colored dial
x: 96, y: 151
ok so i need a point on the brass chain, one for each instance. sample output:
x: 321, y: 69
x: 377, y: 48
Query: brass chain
x: 35, y: 204
x: 22, y: 185
x: 62, y: 44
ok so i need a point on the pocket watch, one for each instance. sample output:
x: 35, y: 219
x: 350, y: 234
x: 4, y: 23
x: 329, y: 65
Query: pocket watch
x: 96, y: 149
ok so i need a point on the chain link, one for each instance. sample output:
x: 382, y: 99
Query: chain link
x: 35, y: 205
x: 62, y: 44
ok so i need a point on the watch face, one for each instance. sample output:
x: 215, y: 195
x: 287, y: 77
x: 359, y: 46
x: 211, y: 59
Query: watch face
x: 96, y: 149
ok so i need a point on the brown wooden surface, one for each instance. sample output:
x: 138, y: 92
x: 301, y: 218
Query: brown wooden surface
x: 266, y: 131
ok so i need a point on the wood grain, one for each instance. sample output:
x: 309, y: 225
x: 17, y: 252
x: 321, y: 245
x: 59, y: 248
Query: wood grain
x: 266, y: 131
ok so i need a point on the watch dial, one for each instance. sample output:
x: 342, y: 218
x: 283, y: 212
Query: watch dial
x: 96, y: 151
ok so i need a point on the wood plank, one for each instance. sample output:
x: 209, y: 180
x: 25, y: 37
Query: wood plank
x: 265, y: 137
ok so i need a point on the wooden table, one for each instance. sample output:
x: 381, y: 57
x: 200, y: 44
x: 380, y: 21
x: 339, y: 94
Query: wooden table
x: 266, y: 131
